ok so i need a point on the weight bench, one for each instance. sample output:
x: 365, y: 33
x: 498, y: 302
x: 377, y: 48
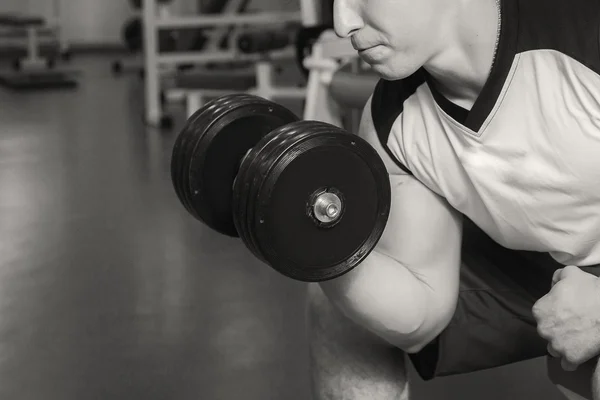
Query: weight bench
x: 32, y: 72
x: 31, y: 25
x: 196, y: 86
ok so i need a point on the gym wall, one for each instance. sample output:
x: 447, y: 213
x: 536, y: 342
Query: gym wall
x: 82, y: 21
x: 10, y: 6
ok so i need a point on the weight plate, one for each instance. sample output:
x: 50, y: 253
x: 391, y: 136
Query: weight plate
x: 246, y: 183
x: 259, y: 168
x: 212, y: 156
x: 177, y: 153
x: 282, y: 137
x: 256, y: 176
x: 256, y: 170
x: 242, y: 186
x: 197, y: 144
x: 197, y: 132
x: 193, y: 129
x: 328, y: 160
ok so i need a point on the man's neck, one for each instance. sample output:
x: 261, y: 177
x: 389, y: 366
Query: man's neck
x: 462, y: 68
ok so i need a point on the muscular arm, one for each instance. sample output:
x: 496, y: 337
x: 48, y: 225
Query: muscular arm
x: 406, y: 290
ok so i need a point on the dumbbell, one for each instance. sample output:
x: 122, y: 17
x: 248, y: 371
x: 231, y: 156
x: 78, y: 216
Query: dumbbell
x: 307, y: 198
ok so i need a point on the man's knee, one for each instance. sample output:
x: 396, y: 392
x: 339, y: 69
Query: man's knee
x: 335, y: 339
x: 347, y: 360
x: 326, y: 319
x: 322, y: 314
x: 318, y: 303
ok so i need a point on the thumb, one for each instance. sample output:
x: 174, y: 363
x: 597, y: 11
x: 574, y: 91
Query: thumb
x: 565, y: 272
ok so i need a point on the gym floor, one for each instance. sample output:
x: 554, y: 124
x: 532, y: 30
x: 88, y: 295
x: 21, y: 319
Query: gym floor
x: 110, y: 290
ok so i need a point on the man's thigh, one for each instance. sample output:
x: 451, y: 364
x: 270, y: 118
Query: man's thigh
x: 346, y: 360
x: 493, y: 324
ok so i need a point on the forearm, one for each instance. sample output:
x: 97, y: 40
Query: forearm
x: 387, y: 298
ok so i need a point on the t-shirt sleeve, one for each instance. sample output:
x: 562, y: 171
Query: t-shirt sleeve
x: 387, y: 105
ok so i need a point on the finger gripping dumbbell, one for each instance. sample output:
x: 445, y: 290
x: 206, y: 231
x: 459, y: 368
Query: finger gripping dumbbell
x: 307, y: 198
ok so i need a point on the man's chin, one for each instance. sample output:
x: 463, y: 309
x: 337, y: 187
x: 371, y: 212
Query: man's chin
x: 390, y: 74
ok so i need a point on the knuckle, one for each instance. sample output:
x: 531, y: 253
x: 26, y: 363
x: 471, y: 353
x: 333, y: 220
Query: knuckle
x: 537, y: 308
x: 553, y: 352
x: 559, y: 348
x: 557, y: 273
x: 573, y: 356
x: 571, y: 268
x: 559, y: 289
x: 542, y: 332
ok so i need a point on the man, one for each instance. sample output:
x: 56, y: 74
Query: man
x: 488, y: 119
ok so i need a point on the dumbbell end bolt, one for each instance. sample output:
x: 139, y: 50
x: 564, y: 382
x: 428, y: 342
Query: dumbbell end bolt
x: 327, y: 207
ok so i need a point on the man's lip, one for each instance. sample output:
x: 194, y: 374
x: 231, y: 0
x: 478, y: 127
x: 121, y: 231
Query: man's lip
x: 367, y: 48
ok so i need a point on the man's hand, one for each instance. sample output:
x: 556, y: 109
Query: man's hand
x: 568, y: 317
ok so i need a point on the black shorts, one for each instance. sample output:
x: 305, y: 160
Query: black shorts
x: 493, y: 324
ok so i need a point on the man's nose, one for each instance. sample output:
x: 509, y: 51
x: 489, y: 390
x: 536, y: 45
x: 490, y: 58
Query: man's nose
x: 346, y: 18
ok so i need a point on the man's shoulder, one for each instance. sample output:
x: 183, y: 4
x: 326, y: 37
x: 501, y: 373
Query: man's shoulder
x: 398, y: 91
x: 389, y: 97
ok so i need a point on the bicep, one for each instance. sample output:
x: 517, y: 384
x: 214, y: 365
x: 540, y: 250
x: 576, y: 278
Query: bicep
x: 423, y: 232
x: 423, y: 229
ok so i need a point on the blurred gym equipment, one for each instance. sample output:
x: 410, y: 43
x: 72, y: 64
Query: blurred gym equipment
x: 173, y: 40
x: 238, y: 23
x: 35, y: 71
x: 258, y: 78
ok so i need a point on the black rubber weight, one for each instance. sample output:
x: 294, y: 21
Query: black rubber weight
x: 328, y: 156
x: 216, y: 160
x: 178, y: 151
x: 283, y: 137
x: 248, y: 180
x: 242, y: 186
x: 194, y: 129
x: 211, y: 147
x: 209, y: 115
